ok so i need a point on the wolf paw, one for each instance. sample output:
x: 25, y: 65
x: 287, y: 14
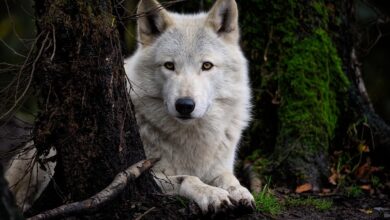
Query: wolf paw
x: 215, y: 200
x: 240, y: 196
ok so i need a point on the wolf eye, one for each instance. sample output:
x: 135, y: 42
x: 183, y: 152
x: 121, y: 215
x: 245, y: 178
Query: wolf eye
x: 207, y: 66
x: 169, y: 66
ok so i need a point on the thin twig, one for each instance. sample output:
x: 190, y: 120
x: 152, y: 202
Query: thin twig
x: 54, y: 44
x: 109, y: 193
x: 147, y: 212
x: 12, y: 49
x: 17, y: 101
x: 13, y: 24
x: 270, y: 36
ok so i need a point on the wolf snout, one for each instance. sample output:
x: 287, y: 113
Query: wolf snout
x: 185, y: 106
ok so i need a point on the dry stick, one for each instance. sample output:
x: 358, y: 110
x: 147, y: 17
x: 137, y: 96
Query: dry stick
x: 356, y: 65
x: 54, y: 43
x: 109, y: 193
x: 147, y: 212
x: 31, y: 75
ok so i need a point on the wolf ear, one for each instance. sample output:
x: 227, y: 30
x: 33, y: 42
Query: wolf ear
x: 223, y: 18
x: 153, y: 19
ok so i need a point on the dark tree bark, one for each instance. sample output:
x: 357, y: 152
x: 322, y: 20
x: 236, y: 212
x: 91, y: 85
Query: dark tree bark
x: 86, y: 113
x: 305, y: 94
x: 359, y: 98
x: 299, y: 85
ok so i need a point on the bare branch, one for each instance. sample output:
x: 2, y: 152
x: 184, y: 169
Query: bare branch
x: 12, y: 49
x: 19, y: 99
x: 13, y: 24
x: 54, y: 43
x: 109, y: 193
x: 356, y: 65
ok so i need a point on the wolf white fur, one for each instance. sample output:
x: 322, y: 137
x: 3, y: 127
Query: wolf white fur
x: 173, y: 62
x: 27, y: 178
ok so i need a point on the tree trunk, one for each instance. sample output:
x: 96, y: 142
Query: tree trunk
x: 379, y: 136
x: 306, y: 92
x: 300, y: 86
x: 86, y: 113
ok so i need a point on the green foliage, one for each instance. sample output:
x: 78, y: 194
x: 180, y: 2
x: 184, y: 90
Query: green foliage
x: 267, y: 202
x: 376, y: 181
x: 259, y: 162
x: 319, y: 204
x: 354, y: 191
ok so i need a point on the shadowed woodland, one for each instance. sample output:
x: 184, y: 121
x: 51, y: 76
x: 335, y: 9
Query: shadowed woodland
x: 317, y: 146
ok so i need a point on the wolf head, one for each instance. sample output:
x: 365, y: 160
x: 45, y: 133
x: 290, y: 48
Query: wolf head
x: 189, y: 61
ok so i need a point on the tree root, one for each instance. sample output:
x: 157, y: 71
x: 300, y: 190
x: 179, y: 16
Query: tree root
x: 119, y: 183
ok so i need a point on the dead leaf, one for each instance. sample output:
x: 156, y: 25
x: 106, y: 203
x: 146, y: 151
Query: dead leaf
x: 346, y: 169
x: 334, y: 177
x: 367, y: 211
x: 363, y: 171
x: 363, y: 148
x: 366, y: 187
x: 376, y: 169
x: 304, y: 188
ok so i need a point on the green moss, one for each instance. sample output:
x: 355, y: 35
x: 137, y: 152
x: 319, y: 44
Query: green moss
x: 258, y: 161
x: 354, y: 191
x: 311, y: 79
x: 299, y: 84
x: 319, y: 204
x: 321, y: 9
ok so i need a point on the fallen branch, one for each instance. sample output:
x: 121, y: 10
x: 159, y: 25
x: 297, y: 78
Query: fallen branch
x: 109, y: 193
x: 357, y: 67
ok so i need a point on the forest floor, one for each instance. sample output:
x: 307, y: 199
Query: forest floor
x: 275, y: 204
x: 310, y: 206
x: 351, y: 198
x: 289, y: 206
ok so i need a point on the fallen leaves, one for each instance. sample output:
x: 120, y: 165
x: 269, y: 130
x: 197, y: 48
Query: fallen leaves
x: 304, y: 188
x: 334, y: 177
x: 367, y: 211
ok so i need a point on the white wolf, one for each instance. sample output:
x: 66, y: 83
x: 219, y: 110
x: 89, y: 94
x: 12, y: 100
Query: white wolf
x: 192, y: 100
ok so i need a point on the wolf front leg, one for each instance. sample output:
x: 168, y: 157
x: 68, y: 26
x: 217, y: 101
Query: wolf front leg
x: 209, y: 198
x: 238, y: 194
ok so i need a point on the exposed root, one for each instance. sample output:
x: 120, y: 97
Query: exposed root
x: 109, y: 193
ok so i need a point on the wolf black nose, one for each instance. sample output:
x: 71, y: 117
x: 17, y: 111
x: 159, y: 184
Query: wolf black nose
x: 185, y: 106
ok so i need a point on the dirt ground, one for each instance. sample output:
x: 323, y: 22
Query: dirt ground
x: 364, y: 207
x: 343, y: 208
